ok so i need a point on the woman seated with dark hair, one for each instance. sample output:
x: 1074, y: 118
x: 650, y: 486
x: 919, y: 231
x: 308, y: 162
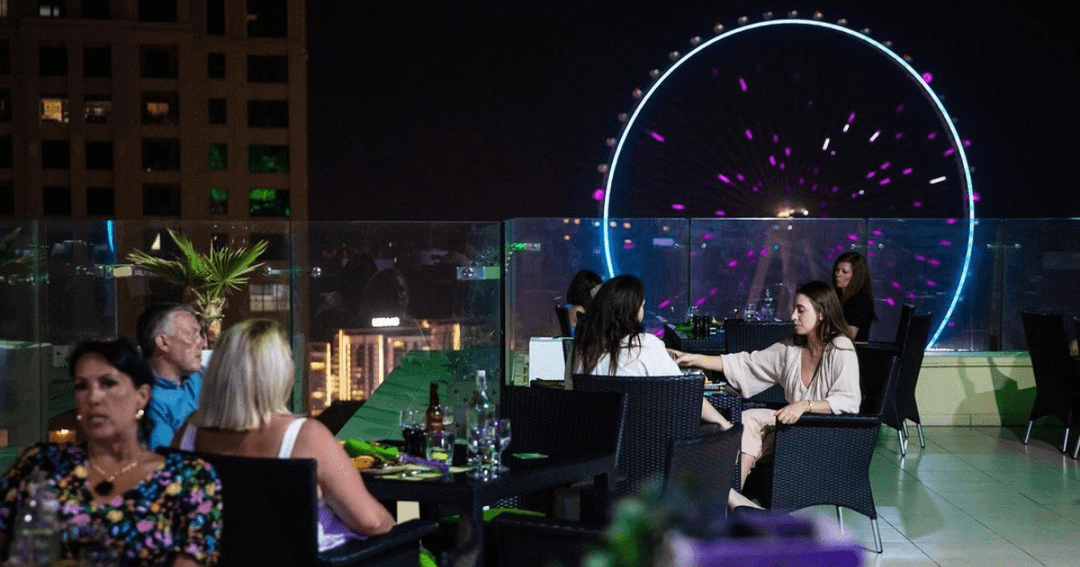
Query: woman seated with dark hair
x: 154, y: 510
x: 851, y: 276
x: 613, y: 342
x: 580, y: 294
x: 816, y: 367
x: 243, y: 412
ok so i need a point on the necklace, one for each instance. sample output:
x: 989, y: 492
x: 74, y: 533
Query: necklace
x: 105, y: 487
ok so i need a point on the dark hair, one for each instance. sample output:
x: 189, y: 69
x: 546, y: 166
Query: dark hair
x: 831, y: 324
x: 124, y: 356
x: 580, y: 290
x: 860, y: 276
x: 152, y: 323
x: 611, y: 317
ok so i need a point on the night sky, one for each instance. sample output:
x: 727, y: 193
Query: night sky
x: 481, y: 111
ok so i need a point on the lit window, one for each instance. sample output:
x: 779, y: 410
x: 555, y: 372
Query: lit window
x: 54, y: 109
x: 268, y: 203
x: 269, y: 297
x: 157, y: 109
x: 48, y: 8
x: 98, y: 111
x: 219, y: 200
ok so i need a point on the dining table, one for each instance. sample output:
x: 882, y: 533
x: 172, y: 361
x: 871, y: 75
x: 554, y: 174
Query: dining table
x: 525, y: 474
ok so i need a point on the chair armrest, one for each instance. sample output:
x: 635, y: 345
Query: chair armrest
x: 540, y: 524
x: 854, y: 420
x: 404, y: 534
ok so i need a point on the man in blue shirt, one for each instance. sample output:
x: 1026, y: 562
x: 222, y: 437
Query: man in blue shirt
x: 172, y: 342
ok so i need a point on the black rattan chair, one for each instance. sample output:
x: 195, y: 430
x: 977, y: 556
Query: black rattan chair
x: 660, y: 409
x: 270, y: 515
x: 748, y: 336
x: 562, y: 313
x: 704, y: 467
x: 1056, y: 380
x: 902, y: 406
x: 825, y: 459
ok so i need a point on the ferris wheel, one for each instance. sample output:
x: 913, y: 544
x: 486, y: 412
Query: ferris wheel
x: 794, y: 117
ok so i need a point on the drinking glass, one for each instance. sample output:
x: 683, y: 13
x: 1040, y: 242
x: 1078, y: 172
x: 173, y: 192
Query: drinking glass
x: 440, y: 447
x: 502, y: 439
x: 412, y: 431
x: 750, y: 312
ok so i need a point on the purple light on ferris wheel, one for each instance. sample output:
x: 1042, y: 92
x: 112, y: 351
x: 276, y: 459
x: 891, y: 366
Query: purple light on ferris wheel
x: 851, y: 118
x: 787, y: 151
x: 900, y: 107
x: 927, y: 77
x: 884, y: 182
x: 733, y: 263
x: 907, y: 171
x: 664, y: 304
x: 714, y: 291
x: 724, y: 178
x: 950, y: 221
x: 885, y: 165
x: 931, y: 136
x: 742, y: 84
x: 749, y: 134
x: 871, y: 175
x: 772, y: 160
x: 896, y: 285
x: 721, y: 213
x: 950, y: 152
x: 656, y: 136
x: 890, y: 301
x: 598, y: 195
x: 678, y: 206
x: 853, y: 237
x: 740, y: 177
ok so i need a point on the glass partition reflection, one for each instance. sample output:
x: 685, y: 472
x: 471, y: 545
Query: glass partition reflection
x: 24, y: 355
x: 1041, y: 271
x: 751, y: 267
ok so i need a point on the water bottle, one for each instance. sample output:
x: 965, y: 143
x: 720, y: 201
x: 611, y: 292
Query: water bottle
x: 479, y: 414
x: 37, y: 528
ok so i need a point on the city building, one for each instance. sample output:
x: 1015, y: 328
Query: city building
x: 191, y: 110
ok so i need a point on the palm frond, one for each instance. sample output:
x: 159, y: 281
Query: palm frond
x: 230, y: 267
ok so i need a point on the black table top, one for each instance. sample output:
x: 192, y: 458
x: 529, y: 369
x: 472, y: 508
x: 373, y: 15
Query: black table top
x: 525, y: 475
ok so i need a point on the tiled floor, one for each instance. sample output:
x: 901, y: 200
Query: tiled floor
x: 974, y: 496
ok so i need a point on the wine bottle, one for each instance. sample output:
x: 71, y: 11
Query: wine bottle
x: 433, y: 417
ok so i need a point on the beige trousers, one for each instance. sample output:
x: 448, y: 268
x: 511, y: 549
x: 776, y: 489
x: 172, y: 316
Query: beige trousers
x: 759, y: 432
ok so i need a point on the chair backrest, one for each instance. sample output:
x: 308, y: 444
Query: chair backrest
x: 703, y: 467
x: 660, y: 408
x: 911, y: 356
x: 564, y: 421
x: 752, y: 335
x: 879, y: 369
x: 563, y: 314
x: 1049, y: 349
x: 901, y: 329
x: 269, y: 507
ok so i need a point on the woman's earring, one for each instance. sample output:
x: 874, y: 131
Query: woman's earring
x: 139, y: 414
x: 78, y: 417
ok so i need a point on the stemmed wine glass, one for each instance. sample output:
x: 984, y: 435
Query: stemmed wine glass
x: 478, y: 441
x: 502, y: 440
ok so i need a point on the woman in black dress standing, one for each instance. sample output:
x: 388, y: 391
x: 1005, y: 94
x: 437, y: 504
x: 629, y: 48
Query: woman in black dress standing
x: 851, y: 276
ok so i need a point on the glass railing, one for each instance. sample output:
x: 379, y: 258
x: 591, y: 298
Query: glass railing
x: 359, y: 298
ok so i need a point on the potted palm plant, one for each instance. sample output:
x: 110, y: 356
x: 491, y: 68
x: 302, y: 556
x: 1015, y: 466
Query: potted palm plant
x: 207, y: 279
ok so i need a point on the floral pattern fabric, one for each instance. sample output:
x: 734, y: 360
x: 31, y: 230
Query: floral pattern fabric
x: 176, y: 511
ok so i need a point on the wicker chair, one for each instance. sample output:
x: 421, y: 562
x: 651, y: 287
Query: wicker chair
x: 704, y: 467
x: 692, y: 465
x: 661, y: 408
x: 264, y: 524
x: 745, y: 336
x: 902, y: 406
x: 825, y: 459
x: 562, y: 313
x: 1056, y: 376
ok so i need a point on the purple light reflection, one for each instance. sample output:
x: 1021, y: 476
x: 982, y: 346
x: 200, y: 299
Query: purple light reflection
x: 927, y: 77
x: 946, y: 242
x: 749, y: 134
x: 890, y: 301
x: 732, y: 263
x: 721, y: 213
x: 895, y: 284
x: 724, y: 178
x: 656, y: 136
x: 742, y: 84
x: 678, y: 206
x: 664, y: 304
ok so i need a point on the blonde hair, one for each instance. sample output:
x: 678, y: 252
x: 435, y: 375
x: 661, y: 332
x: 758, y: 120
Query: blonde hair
x: 249, y: 378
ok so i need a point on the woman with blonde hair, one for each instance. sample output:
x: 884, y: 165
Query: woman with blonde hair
x: 243, y: 412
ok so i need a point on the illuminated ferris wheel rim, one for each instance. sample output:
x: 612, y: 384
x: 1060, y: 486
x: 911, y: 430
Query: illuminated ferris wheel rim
x: 939, y: 107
